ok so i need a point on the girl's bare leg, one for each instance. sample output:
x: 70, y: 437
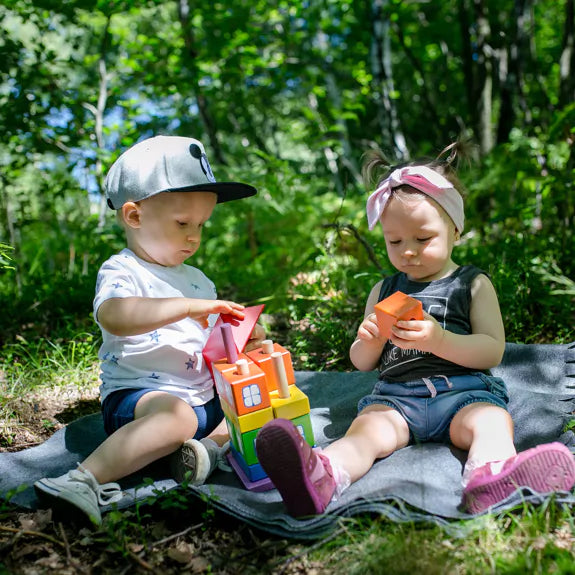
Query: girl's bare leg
x: 375, y: 433
x: 485, y: 430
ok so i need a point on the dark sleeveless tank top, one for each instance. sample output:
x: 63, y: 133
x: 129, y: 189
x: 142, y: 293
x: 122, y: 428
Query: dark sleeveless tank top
x: 448, y: 300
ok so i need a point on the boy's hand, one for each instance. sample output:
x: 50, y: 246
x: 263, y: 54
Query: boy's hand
x: 200, y: 309
x: 423, y: 335
x: 368, y: 330
x: 257, y: 336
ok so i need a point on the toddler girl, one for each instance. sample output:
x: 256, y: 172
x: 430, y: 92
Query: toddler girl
x: 434, y: 383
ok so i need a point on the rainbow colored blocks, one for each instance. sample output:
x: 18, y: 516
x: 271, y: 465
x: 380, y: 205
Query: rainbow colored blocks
x: 255, y: 388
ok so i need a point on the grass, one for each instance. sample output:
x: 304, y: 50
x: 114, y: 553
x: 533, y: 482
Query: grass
x: 35, y: 375
x: 28, y: 364
x: 528, y: 540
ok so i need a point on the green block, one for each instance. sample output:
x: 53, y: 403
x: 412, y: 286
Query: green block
x: 244, y: 443
x: 303, y: 424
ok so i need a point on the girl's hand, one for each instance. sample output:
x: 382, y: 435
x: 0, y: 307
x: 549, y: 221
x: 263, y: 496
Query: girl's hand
x: 423, y: 335
x: 368, y: 330
x: 200, y: 309
x: 257, y: 336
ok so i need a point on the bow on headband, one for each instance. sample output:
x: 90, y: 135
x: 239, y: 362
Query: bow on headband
x: 425, y: 180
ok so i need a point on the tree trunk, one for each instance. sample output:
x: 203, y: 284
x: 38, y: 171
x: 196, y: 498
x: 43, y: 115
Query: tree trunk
x: 567, y: 60
x: 203, y: 107
x: 98, y: 113
x: 426, y: 95
x: 566, y: 97
x: 329, y: 154
x: 467, y: 62
x: 507, y: 86
x: 13, y: 232
x: 485, y: 78
x: 387, y: 115
x: 514, y: 58
x: 348, y: 159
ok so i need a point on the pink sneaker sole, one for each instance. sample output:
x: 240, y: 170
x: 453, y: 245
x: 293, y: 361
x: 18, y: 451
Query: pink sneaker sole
x: 297, y: 472
x: 545, y: 469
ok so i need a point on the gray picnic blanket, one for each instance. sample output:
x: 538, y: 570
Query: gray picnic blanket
x: 417, y: 483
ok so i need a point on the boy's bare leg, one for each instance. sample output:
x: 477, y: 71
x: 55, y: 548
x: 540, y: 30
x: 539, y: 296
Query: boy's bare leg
x: 220, y: 434
x: 163, y: 422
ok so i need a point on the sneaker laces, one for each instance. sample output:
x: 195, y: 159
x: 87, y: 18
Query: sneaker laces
x: 106, y: 493
x: 109, y: 493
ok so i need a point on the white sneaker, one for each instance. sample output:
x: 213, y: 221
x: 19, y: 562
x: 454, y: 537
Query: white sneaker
x: 77, y: 494
x: 195, y: 460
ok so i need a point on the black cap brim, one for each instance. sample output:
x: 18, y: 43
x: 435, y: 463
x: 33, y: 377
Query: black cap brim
x: 226, y: 191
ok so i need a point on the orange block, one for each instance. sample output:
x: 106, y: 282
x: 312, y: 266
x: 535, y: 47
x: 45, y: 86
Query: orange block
x: 219, y: 368
x: 395, y: 307
x: 246, y: 393
x: 264, y: 360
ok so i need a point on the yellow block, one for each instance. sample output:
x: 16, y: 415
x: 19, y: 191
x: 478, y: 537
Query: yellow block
x: 291, y: 407
x: 249, y: 421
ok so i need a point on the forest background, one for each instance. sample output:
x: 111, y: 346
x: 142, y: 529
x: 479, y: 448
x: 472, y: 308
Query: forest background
x: 286, y: 96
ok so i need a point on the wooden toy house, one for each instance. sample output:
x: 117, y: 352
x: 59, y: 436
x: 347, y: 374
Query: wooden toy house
x: 254, y: 388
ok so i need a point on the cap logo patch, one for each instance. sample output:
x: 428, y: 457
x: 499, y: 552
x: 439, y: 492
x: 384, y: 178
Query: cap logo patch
x: 196, y: 152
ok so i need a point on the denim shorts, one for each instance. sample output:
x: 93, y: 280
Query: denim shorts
x: 429, y: 408
x: 118, y: 409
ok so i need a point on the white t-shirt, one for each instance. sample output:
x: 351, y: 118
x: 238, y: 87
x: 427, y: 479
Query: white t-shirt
x: 169, y: 358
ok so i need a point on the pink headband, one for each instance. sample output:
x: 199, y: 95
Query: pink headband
x: 425, y: 180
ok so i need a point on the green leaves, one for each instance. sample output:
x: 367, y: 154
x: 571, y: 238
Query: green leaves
x: 286, y: 96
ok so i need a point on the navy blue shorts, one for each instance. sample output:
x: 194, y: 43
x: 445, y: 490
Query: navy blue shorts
x: 118, y: 409
x: 429, y: 417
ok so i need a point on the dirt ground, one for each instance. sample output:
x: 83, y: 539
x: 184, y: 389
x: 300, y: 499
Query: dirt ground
x: 188, y: 538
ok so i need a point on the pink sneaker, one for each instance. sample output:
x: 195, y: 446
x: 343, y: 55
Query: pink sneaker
x: 303, y: 477
x: 544, y: 469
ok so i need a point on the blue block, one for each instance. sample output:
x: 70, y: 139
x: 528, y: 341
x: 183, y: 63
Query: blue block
x: 253, y: 472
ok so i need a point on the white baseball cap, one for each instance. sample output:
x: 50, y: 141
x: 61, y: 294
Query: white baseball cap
x: 166, y: 164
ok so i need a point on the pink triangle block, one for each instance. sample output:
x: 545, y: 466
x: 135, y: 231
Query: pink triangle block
x: 214, y: 349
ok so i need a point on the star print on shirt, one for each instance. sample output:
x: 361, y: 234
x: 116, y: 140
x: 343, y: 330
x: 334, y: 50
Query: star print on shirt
x: 195, y: 286
x: 190, y: 364
x: 117, y: 285
x: 111, y: 358
x: 155, y: 336
x: 154, y: 376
